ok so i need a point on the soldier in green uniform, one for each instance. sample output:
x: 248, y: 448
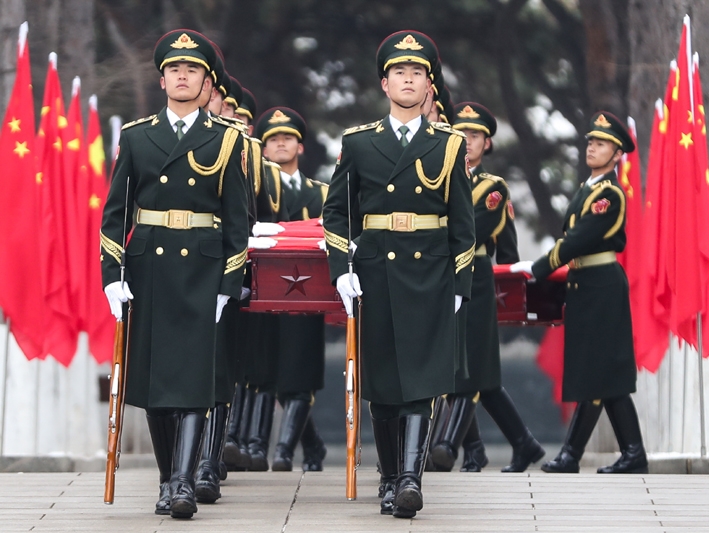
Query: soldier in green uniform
x: 301, y: 351
x: 184, y: 260
x: 413, y: 226
x: 477, y: 319
x: 599, y: 360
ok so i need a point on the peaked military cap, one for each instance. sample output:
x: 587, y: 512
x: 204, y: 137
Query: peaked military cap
x: 247, y: 104
x: 445, y: 104
x: 222, y: 81
x: 185, y: 45
x: 606, y: 126
x: 280, y: 120
x: 474, y: 116
x: 236, y: 93
x: 407, y: 46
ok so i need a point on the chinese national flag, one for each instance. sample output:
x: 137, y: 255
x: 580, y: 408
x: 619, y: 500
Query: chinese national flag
x: 629, y: 177
x: 20, y: 291
x: 550, y: 358
x: 75, y: 209
x: 100, y: 323
x: 61, y: 324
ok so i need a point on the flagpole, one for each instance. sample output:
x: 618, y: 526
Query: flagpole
x: 700, y: 350
x: 4, y: 388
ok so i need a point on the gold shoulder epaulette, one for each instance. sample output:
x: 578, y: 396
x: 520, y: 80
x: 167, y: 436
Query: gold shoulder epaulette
x: 443, y: 126
x: 272, y: 164
x: 139, y: 121
x: 486, y: 176
x: 318, y: 183
x: 601, y: 184
x: 363, y: 127
x: 231, y: 123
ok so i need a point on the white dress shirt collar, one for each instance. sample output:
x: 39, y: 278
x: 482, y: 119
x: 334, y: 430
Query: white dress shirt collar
x: 187, y: 119
x: 413, y: 126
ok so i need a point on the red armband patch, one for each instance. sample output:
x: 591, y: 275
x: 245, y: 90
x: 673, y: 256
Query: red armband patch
x: 510, y: 210
x: 339, y: 158
x: 243, y: 161
x: 600, y: 207
x: 493, y: 200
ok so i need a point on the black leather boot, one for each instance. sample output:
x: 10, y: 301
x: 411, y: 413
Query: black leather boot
x: 624, y: 418
x: 525, y: 448
x: 207, y: 479
x: 190, y: 426
x: 239, y: 415
x: 260, y: 430
x: 441, y: 411
x: 162, y: 433
x: 582, y: 424
x: 413, y: 444
x: 386, y: 438
x: 474, y: 458
x: 295, y: 415
x: 445, y: 453
x: 314, y: 450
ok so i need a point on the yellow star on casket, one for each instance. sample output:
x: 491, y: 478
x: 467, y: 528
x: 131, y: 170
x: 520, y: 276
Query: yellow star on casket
x: 21, y: 149
x: 14, y: 125
x: 94, y: 202
x: 686, y: 140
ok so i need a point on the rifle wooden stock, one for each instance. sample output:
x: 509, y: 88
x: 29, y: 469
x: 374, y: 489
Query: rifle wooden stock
x: 352, y: 406
x: 115, y: 407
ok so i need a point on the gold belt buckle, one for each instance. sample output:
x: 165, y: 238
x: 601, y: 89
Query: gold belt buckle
x: 402, y: 222
x: 178, y: 219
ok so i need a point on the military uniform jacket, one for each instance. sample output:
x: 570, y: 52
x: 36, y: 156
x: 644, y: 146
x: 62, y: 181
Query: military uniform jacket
x: 408, y: 279
x: 599, y: 359
x: 477, y: 319
x: 176, y: 274
x: 307, y: 202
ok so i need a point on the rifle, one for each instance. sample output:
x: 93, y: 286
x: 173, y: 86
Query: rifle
x: 118, y: 381
x: 352, y: 377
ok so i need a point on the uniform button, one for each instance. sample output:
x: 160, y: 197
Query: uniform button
x: 159, y: 250
x: 184, y: 252
x: 390, y: 187
x: 417, y: 255
x: 191, y: 182
x: 101, y: 257
x: 418, y: 190
x: 163, y: 179
x: 391, y: 255
x: 568, y: 284
x: 576, y: 285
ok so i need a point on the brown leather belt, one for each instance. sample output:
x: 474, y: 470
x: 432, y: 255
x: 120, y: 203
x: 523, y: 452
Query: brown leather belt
x: 175, y: 219
x: 404, y: 222
x: 583, y: 261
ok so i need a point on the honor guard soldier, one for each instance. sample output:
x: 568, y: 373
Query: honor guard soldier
x: 477, y: 319
x: 414, y: 232
x: 599, y: 360
x: 301, y: 351
x: 183, y: 262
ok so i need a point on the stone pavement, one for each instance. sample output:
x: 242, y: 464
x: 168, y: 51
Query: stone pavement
x: 314, y: 502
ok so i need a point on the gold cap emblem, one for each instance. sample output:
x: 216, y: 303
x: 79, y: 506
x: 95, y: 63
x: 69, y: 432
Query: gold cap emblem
x: 602, y: 122
x: 278, y: 117
x: 408, y: 43
x: 468, y: 112
x: 184, y: 41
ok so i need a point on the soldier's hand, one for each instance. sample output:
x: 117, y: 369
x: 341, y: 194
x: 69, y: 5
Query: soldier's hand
x: 266, y: 229
x: 262, y: 243
x: 458, y: 302
x: 348, y: 290
x: 522, y: 266
x: 222, y: 299
x: 117, y: 294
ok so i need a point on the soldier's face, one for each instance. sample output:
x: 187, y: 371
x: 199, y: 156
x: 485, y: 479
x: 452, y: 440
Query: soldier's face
x: 476, y: 142
x: 406, y: 84
x: 602, y: 154
x: 227, y: 110
x: 215, y: 102
x: 282, y: 148
x: 183, y: 81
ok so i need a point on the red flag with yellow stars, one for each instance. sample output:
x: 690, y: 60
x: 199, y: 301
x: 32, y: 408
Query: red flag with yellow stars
x: 20, y: 291
x: 61, y: 323
x: 100, y: 323
x: 74, y: 209
x: 629, y: 177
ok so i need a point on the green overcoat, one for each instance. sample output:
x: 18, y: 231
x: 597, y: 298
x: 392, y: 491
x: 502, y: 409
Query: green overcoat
x: 176, y: 274
x: 408, y: 279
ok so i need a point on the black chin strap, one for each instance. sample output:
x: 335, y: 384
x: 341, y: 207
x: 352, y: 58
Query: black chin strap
x: 612, y: 156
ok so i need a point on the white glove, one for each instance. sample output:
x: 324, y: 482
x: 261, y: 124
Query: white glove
x: 222, y: 299
x: 353, y: 247
x: 320, y: 221
x: 266, y: 229
x: 458, y: 302
x: 245, y: 292
x: 117, y: 295
x: 522, y: 266
x: 262, y: 243
x: 322, y: 245
x: 348, y: 290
